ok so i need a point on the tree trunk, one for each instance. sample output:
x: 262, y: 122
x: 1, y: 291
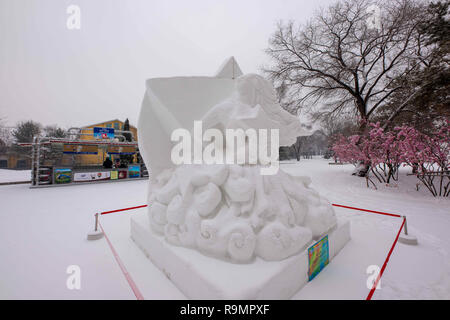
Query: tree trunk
x: 362, y: 170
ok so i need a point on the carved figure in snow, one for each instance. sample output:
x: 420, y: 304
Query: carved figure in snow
x: 230, y: 212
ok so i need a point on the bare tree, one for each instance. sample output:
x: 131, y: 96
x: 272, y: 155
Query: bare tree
x: 333, y: 125
x: 25, y: 131
x: 339, y: 61
x: 423, y: 101
x: 297, y: 147
x: 55, y: 132
x: 5, y: 134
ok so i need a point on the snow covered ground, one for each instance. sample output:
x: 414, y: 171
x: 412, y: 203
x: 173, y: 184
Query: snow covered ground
x: 43, y: 231
x: 413, y: 272
x: 7, y: 175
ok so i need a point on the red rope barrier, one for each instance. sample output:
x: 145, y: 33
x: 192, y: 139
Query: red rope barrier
x: 372, y: 291
x: 125, y: 209
x: 130, y: 280
x: 369, y: 297
x: 334, y: 204
x: 378, y: 212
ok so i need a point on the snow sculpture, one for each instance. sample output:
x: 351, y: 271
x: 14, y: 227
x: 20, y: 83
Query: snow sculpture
x: 227, y: 211
x: 229, y: 69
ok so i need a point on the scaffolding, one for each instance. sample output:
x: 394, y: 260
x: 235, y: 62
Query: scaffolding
x: 54, y: 160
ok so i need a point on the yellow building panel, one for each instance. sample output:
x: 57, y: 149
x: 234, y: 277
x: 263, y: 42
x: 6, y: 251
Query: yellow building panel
x: 92, y: 159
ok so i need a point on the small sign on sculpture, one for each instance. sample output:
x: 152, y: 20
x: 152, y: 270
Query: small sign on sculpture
x: 318, y: 256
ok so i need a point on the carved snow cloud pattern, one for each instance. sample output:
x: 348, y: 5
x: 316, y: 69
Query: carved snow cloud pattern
x: 233, y: 213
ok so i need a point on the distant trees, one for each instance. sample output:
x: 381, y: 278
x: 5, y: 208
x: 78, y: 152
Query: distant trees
x: 5, y: 135
x: 423, y: 98
x: 337, y: 59
x: 55, y: 132
x: 369, y: 84
x: 285, y: 153
x: 305, y: 146
x: 25, y: 131
x: 126, y: 127
x: 127, y: 158
x: 334, y: 126
x: 298, y: 146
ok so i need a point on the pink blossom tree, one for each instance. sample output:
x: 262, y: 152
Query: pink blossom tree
x: 384, y: 151
x: 377, y: 149
x: 430, y: 154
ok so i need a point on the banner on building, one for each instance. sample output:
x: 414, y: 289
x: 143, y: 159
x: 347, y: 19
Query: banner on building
x: 318, y: 255
x: 122, y: 174
x: 134, y: 171
x: 103, y: 133
x: 91, y: 176
x: 114, y: 175
x: 62, y: 175
x: 121, y: 150
x: 80, y: 149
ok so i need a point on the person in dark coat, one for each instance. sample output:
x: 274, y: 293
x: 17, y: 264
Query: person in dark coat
x: 107, y: 163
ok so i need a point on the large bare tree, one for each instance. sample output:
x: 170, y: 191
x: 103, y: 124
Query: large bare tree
x: 424, y: 100
x: 340, y: 61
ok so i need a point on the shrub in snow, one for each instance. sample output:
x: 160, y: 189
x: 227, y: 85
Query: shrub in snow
x: 429, y: 155
x: 384, y: 151
x: 377, y: 149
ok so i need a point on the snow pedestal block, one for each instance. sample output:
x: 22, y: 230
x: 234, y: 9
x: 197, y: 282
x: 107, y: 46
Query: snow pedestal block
x: 202, y: 277
x: 94, y: 235
x: 408, y: 239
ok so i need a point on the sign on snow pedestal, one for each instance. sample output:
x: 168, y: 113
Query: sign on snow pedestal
x: 318, y: 257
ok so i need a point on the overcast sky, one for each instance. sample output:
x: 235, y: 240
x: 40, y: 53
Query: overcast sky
x: 54, y: 75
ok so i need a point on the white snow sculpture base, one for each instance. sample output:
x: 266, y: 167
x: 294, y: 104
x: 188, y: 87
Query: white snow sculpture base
x: 201, y: 277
